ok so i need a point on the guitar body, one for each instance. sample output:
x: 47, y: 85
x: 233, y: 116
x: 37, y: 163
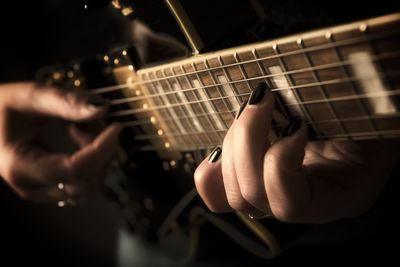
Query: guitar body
x: 178, y: 105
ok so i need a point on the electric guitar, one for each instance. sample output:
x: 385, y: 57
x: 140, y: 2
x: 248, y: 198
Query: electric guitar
x: 342, y: 79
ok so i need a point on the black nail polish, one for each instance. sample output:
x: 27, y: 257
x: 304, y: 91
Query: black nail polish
x: 258, y: 93
x: 215, y: 155
x: 293, y: 127
x: 97, y: 101
x: 242, y: 106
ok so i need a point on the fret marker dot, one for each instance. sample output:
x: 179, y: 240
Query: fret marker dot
x: 328, y: 35
x: 145, y: 106
x: 173, y: 163
x: 106, y: 58
x: 124, y: 53
x: 61, y: 204
x: 167, y: 145
x: 60, y: 186
x: 116, y: 61
x: 363, y: 27
x: 77, y: 83
x: 160, y: 132
x: 153, y: 119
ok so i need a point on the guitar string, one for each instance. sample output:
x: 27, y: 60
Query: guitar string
x: 281, y: 55
x: 359, y: 135
x: 156, y: 136
x: 140, y: 123
x: 335, y: 99
x: 261, y: 77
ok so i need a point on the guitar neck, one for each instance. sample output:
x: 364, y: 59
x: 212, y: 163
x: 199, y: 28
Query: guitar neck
x: 343, y: 81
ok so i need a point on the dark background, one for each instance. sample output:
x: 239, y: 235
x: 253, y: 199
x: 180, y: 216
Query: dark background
x: 41, y: 33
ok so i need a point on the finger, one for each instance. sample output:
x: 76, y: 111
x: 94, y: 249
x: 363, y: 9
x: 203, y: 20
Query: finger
x: 250, y: 141
x: 209, y: 182
x: 232, y: 189
x: 31, y: 166
x: 79, y: 137
x: 40, y: 194
x: 27, y: 166
x: 66, y: 104
x: 92, y: 159
x: 287, y: 186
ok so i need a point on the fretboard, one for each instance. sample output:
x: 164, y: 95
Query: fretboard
x: 343, y: 81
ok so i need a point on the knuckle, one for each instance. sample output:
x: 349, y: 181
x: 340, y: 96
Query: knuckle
x: 199, y: 178
x: 12, y: 174
x: 288, y: 212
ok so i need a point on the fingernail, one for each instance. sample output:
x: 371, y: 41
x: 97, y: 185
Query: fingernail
x: 293, y: 127
x: 242, y: 106
x: 215, y: 154
x: 258, y: 93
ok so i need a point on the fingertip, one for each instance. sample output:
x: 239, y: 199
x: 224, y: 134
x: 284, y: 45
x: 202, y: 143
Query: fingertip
x: 89, y: 111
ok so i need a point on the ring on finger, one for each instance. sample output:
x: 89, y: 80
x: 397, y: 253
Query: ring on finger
x: 68, y: 201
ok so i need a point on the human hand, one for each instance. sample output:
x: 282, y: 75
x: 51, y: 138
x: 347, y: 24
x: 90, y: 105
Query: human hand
x: 294, y: 180
x: 37, y: 127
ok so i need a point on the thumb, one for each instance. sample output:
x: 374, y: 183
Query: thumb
x: 66, y: 104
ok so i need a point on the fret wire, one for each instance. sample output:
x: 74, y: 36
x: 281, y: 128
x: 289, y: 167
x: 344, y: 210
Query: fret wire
x: 294, y: 91
x: 242, y: 71
x: 227, y: 104
x: 221, y: 62
x: 206, y: 94
x: 339, y: 55
x: 344, y: 135
x: 133, y: 111
x: 196, y: 96
x: 351, y: 78
x: 349, y: 119
x: 310, y: 49
x: 263, y: 71
x: 320, y: 86
x: 167, y: 110
x: 193, y: 111
x: 182, y: 108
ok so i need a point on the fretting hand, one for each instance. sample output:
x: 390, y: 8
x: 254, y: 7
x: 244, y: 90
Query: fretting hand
x: 294, y: 180
x: 36, y: 125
